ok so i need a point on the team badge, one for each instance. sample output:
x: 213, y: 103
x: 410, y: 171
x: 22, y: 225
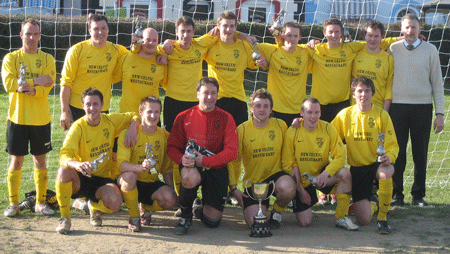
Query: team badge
x: 298, y: 60
x: 319, y: 142
x: 38, y: 63
x: 236, y: 53
x: 108, y: 57
x: 390, y: 132
x: 272, y: 135
x: 342, y: 52
x: 153, y: 68
x: 197, y: 53
x: 157, y: 145
x: 106, y: 133
x: 378, y: 63
x: 371, y: 122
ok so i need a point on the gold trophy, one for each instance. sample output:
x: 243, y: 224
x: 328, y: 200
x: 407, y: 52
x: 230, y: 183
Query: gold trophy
x: 138, y: 32
x: 256, y: 55
x: 22, y: 74
x: 312, y: 179
x: 380, y: 150
x: 260, y: 227
x: 149, y: 156
x: 278, y: 24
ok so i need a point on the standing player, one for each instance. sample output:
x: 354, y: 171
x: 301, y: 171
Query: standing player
x: 377, y: 64
x: 307, y: 150
x: 88, y: 138
x: 213, y: 129
x: 417, y: 82
x: 136, y: 181
x: 260, y: 145
x: 28, y: 115
x: 360, y: 126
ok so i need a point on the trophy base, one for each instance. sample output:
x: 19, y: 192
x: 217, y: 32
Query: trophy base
x: 260, y: 228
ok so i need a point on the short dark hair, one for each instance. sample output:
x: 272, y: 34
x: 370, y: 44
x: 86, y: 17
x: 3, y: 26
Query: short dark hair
x: 311, y: 100
x: 333, y: 21
x: 207, y: 80
x: 185, y: 20
x: 91, y: 91
x: 29, y: 21
x: 96, y: 18
x: 374, y: 24
x: 411, y: 16
x: 363, y: 80
x: 291, y: 25
x: 227, y: 15
x: 261, y: 93
x: 149, y: 99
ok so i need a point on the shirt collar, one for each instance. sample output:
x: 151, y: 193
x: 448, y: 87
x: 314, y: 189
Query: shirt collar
x: 415, y: 44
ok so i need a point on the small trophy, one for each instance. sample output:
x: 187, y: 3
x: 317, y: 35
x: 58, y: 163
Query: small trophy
x: 347, y: 35
x: 256, y: 55
x: 99, y: 161
x: 278, y: 24
x: 149, y: 156
x: 139, y: 33
x: 312, y: 179
x: 380, y: 149
x: 22, y: 73
x: 190, y: 148
x: 260, y: 227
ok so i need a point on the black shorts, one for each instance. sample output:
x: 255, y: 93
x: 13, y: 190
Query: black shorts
x: 330, y: 111
x: 362, y: 181
x: 78, y: 113
x: 287, y: 118
x: 172, y: 108
x: 214, y: 186
x: 300, y: 207
x: 238, y: 109
x: 146, y: 191
x: 18, y: 136
x: 90, y: 185
x: 249, y: 201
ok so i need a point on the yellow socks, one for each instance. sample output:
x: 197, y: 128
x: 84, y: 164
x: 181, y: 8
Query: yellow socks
x: 176, y: 178
x: 131, y: 200
x: 14, y: 177
x: 373, y: 209
x: 343, y: 201
x: 385, y: 197
x: 63, y: 195
x: 152, y: 208
x: 100, y: 206
x: 40, y: 181
x: 277, y: 208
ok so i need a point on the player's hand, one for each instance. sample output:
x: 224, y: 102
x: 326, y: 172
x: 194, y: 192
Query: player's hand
x: 438, y: 125
x: 43, y: 81
x: 134, y: 41
x: 162, y: 60
x: 297, y: 123
x: 65, y: 120
x: 422, y: 37
x: 114, y: 156
x: 198, y: 159
x: 84, y: 167
x: 239, y: 196
x: 130, y: 137
x: 146, y: 165
x: 322, y: 179
x: 272, y: 29
x: 168, y: 47
x: 385, y: 160
x: 312, y: 43
x: 187, y: 161
x: 250, y: 38
x: 305, y: 198
x: 263, y: 62
x: 215, y: 31
x: 30, y: 91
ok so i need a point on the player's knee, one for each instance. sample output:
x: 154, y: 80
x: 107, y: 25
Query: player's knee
x: 304, y: 222
x: 64, y: 174
x: 113, y: 202
x: 128, y: 181
x: 344, y: 175
x: 285, y: 187
x: 169, y: 200
x: 210, y: 222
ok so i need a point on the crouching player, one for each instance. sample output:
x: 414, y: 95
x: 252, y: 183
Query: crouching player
x: 260, y: 145
x: 361, y: 126
x: 88, y: 138
x: 307, y: 150
x: 137, y: 182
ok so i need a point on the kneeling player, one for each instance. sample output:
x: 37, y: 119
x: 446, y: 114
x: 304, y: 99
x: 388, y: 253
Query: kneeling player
x: 137, y: 182
x: 360, y: 126
x: 90, y: 137
x: 307, y: 150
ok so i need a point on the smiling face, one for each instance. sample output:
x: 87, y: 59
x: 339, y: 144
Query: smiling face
x: 99, y: 33
x: 227, y: 28
x: 333, y: 33
x: 150, y: 41
x: 207, y: 97
x: 363, y: 95
x: 261, y: 109
x: 30, y: 36
x: 185, y: 33
x: 150, y: 114
x: 92, y: 106
x: 411, y: 30
x: 291, y: 37
x: 373, y: 38
x: 311, y: 115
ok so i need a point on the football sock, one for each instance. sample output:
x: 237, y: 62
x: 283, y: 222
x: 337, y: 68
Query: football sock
x: 385, y: 197
x: 63, y: 194
x: 14, y: 177
x: 131, y: 200
x: 101, y: 207
x: 278, y: 209
x: 40, y: 181
x: 343, y: 201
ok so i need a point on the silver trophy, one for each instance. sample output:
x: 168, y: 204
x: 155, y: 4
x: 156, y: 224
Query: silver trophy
x: 312, y: 179
x: 347, y: 37
x: 260, y: 227
x: 192, y: 146
x: 98, y: 161
x: 256, y: 55
x: 279, y: 22
x: 138, y: 32
x: 22, y: 74
x: 149, y: 156
x: 380, y: 150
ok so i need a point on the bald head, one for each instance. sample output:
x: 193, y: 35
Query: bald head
x: 150, y: 42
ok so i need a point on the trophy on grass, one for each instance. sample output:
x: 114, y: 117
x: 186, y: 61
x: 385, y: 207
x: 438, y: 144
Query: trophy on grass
x: 22, y: 73
x: 380, y: 150
x: 256, y: 55
x: 312, y: 179
x: 278, y: 24
x: 149, y: 156
x: 260, y: 227
x: 138, y: 32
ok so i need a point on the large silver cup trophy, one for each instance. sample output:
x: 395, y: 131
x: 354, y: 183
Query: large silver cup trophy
x: 149, y: 156
x: 312, y: 179
x: 256, y: 55
x: 279, y: 22
x: 138, y: 32
x: 380, y: 150
x: 22, y: 74
x: 260, y: 227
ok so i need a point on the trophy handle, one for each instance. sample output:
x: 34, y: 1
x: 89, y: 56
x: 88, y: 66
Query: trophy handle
x: 246, y: 189
x: 273, y: 188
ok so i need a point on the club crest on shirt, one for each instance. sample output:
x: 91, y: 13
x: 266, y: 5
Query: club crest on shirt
x: 298, y: 60
x: 342, y: 52
x: 38, y: 63
x: 197, y: 53
x: 319, y: 142
x: 157, y: 145
x: 108, y: 57
x: 371, y: 122
x: 236, y: 53
x: 378, y: 63
x: 272, y: 135
x: 153, y: 68
x: 106, y: 132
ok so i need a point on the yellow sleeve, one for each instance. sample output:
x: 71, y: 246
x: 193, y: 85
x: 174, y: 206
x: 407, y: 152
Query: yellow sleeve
x: 207, y: 40
x: 69, y: 149
x: 9, y: 73
x: 117, y: 74
x: 70, y: 68
x: 386, y: 42
x: 49, y: 70
x: 337, y: 151
x: 388, y: 92
x: 288, y: 153
x: 339, y: 125
x: 123, y: 153
x: 234, y: 167
x: 390, y: 143
x: 165, y: 81
x: 122, y: 120
x: 266, y: 50
x: 248, y: 49
x: 167, y: 164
